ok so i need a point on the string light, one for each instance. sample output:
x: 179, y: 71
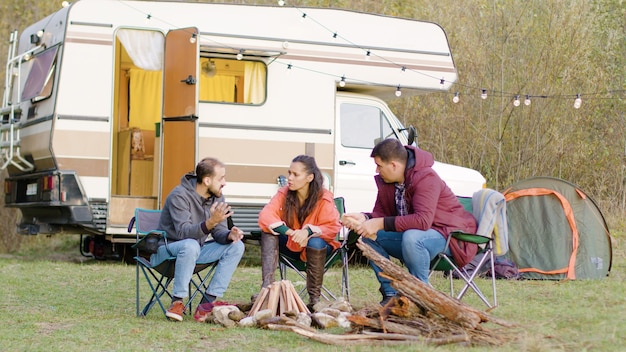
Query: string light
x: 577, y: 102
x: 398, y: 93
x: 527, y: 100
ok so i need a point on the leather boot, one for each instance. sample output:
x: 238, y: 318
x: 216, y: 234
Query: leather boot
x: 315, y: 259
x: 269, y: 258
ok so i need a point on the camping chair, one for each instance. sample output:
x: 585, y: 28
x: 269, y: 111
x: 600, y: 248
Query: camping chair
x: 340, y: 254
x: 159, y: 277
x: 489, y: 209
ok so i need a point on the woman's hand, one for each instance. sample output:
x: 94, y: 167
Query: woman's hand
x: 301, y: 237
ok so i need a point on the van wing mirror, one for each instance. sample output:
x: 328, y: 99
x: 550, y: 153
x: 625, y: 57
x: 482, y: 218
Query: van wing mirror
x: 412, y: 137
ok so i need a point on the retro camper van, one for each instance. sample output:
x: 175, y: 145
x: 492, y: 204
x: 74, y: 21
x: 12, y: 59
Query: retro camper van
x: 108, y: 103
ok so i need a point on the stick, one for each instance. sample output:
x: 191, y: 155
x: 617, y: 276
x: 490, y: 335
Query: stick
x: 258, y: 302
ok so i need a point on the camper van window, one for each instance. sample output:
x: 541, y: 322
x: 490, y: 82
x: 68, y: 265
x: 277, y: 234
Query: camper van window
x: 39, y: 82
x: 362, y: 126
x: 232, y: 81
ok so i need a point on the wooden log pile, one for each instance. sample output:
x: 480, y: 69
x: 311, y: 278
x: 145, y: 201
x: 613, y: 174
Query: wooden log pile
x: 280, y: 297
x: 420, y: 314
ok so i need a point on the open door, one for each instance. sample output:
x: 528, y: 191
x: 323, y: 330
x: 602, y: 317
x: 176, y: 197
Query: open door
x: 179, y: 126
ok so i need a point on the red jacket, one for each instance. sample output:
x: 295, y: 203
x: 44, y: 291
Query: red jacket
x: 324, y: 215
x: 430, y: 204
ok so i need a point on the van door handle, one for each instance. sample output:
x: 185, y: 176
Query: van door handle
x: 345, y: 162
x: 190, y: 80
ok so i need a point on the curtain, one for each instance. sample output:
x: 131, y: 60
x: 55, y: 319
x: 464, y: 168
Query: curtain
x: 254, y: 83
x: 145, y: 48
x: 145, y: 98
x: 219, y: 88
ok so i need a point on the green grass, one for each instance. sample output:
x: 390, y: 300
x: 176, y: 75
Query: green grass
x: 55, y: 299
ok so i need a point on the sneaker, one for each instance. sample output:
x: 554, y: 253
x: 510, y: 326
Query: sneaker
x: 202, y: 312
x: 175, y: 311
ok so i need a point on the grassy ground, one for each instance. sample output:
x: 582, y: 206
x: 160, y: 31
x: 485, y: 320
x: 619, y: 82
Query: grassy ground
x: 58, y: 300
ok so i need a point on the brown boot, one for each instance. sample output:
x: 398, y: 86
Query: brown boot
x: 269, y: 258
x: 315, y: 259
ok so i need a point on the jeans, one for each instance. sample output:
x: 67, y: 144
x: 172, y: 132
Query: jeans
x: 188, y: 252
x: 415, y: 248
x: 314, y: 242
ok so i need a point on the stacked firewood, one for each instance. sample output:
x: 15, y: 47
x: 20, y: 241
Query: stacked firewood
x: 280, y: 297
x: 419, y: 314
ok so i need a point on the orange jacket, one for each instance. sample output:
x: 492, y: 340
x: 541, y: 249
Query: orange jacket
x: 324, y: 215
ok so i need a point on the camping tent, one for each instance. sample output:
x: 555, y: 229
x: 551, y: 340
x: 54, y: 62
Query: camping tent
x: 556, y: 231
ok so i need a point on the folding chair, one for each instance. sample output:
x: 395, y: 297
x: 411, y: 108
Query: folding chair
x: 159, y: 277
x: 489, y: 209
x: 340, y: 254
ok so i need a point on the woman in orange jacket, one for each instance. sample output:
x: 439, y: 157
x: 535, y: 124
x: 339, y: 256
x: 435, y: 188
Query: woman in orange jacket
x: 301, y: 221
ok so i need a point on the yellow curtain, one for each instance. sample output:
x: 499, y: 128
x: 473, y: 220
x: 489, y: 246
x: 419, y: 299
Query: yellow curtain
x: 254, y: 83
x: 145, y: 98
x: 218, y: 88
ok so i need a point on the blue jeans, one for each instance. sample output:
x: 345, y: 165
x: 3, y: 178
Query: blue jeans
x: 314, y: 242
x: 414, y: 248
x: 188, y: 252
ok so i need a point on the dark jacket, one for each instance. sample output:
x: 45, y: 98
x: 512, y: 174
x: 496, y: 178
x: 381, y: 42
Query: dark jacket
x: 430, y: 202
x: 185, y: 212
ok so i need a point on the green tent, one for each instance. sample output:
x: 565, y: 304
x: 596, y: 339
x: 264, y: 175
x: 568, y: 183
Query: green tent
x: 556, y: 231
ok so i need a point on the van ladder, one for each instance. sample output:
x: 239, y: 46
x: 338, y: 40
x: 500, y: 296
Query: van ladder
x: 10, y: 116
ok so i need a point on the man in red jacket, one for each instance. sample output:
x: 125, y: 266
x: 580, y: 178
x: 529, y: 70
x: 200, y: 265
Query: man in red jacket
x: 414, y: 213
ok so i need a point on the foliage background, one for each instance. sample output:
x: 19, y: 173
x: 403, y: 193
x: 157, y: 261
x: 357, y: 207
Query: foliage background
x: 550, y: 50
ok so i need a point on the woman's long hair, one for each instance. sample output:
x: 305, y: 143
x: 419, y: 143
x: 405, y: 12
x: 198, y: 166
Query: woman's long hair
x: 292, y: 209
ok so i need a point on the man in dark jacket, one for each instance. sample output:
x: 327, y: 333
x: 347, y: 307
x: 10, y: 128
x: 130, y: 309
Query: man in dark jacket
x: 414, y: 213
x: 194, y: 218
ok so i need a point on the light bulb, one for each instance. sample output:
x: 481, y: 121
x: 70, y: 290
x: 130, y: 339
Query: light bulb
x: 483, y: 94
x: 192, y: 40
x: 65, y: 4
x: 281, y: 3
x: 516, y: 101
x: 398, y: 92
x: 527, y: 100
x: 342, y: 83
x: 456, y: 99
x: 240, y: 55
x: 578, y: 102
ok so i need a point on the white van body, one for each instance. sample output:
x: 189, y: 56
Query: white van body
x: 108, y: 103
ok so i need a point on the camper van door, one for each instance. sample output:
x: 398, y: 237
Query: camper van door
x: 361, y: 123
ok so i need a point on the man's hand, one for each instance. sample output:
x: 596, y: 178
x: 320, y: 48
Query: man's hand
x: 352, y: 220
x: 219, y: 212
x: 369, y: 228
x: 301, y: 237
x: 235, y: 234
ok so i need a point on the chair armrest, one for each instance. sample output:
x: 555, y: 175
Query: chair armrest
x: 150, y: 241
x: 470, y: 237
